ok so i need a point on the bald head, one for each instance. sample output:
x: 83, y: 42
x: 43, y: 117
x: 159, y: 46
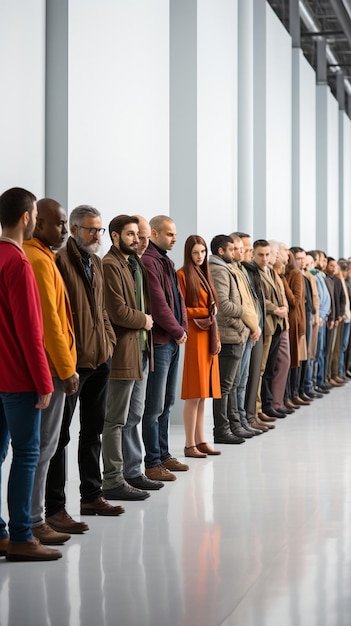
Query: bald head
x: 144, y: 234
x: 51, y: 226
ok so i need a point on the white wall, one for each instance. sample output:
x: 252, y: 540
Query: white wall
x: 119, y: 106
x: 307, y: 156
x: 22, y: 101
x: 278, y: 147
x: 333, y: 176
x: 217, y: 117
x: 346, y: 226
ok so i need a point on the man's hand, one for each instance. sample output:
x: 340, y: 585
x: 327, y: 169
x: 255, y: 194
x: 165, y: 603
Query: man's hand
x: 182, y: 339
x: 281, y: 311
x: 149, y: 322
x: 44, y: 401
x: 71, y: 384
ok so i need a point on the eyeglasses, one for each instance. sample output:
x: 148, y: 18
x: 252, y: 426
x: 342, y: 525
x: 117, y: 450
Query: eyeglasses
x: 92, y: 231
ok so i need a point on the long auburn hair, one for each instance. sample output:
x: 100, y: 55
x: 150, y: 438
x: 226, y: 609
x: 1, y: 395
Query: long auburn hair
x: 193, y: 273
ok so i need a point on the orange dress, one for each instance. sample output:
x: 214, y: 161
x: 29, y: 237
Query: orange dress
x: 201, y: 369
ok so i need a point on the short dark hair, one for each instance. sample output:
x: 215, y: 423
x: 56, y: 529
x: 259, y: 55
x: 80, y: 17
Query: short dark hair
x: 240, y: 234
x: 313, y: 254
x: 296, y: 249
x: 119, y: 222
x: 260, y: 243
x: 13, y: 203
x: 220, y: 241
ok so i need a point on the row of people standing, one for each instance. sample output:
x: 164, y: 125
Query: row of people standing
x: 103, y: 363
x: 98, y: 316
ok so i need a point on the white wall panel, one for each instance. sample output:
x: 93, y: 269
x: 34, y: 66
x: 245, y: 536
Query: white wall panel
x: 22, y: 102
x: 346, y: 190
x: 217, y: 116
x: 278, y: 149
x: 119, y: 106
x: 307, y: 156
x: 333, y: 175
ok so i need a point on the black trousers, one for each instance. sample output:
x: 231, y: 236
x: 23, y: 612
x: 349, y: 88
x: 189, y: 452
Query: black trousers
x: 92, y: 395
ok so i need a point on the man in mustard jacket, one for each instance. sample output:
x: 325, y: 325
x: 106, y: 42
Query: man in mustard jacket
x: 49, y: 235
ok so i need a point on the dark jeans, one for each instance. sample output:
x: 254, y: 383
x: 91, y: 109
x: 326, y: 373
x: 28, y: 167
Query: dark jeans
x: 160, y: 397
x: 92, y: 394
x: 20, y: 420
x: 225, y: 409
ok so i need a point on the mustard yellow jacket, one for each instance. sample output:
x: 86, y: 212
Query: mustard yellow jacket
x: 59, y: 338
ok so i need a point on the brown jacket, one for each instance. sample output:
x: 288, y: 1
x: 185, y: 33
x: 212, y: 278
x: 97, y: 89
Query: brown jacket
x: 125, y: 317
x: 95, y: 338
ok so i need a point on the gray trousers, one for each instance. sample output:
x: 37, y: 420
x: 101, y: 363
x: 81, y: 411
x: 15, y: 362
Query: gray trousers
x: 118, y: 401
x: 51, y: 419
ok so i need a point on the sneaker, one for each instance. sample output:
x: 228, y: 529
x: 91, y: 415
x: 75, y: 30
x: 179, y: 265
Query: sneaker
x: 31, y: 551
x: 64, y: 523
x: 159, y: 473
x: 48, y: 536
x: 174, y: 465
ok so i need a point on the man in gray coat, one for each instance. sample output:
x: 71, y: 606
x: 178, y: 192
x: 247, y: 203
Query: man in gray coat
x: 234, y: 335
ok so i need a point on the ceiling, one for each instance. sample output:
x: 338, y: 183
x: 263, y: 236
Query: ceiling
x: 332, y: 20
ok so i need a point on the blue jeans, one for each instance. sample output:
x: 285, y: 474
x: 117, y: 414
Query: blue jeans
x: 131, y: 443
x: 344, y: 345
x: 20, y: 420
x: 160, y: 397
x: 244, y: 375
x: 320, y: 354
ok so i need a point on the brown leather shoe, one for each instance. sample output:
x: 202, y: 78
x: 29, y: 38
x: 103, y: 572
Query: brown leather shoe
x: 159, y: 473
x: 100, y: 506
x: 192, y: 451
x: 173, y: 465
x: 265, y: 418
x: 207, y: 449
x: 266, y: 424
x: 299, y: 402
x: 259, y: 425
x: 64, y: 523
x: 290, y: 405
x: 4, y: 543
x: 48, y: 536
x: 335, y: 383
x: 31, y: 551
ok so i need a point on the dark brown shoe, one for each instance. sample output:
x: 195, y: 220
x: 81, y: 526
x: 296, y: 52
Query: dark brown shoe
x: 4, y: 543
x: 64, y: 523
x: 100, y: 506
x: 299, y: 402
x: 31, y: 551
x: 266, y: 424
x: 290, y: 405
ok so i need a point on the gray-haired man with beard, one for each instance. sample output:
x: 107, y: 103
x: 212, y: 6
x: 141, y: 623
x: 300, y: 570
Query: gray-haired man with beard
x: 82, y: 272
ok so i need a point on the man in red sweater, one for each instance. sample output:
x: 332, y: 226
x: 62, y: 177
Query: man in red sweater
x: 25, y: 379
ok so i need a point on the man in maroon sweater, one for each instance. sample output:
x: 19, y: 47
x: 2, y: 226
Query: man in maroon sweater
x: 25, y: 379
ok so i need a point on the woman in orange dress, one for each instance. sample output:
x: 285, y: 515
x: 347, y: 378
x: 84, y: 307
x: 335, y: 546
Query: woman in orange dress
x: 201, y: 370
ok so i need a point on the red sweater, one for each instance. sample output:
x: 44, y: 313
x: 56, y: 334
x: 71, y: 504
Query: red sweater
x: 23, y: 363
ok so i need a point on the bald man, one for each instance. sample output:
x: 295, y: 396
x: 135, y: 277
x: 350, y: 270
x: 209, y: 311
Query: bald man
x: 49, y: 235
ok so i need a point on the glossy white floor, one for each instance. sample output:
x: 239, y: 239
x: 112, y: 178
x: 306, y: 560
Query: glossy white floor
x: 259, y: 536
